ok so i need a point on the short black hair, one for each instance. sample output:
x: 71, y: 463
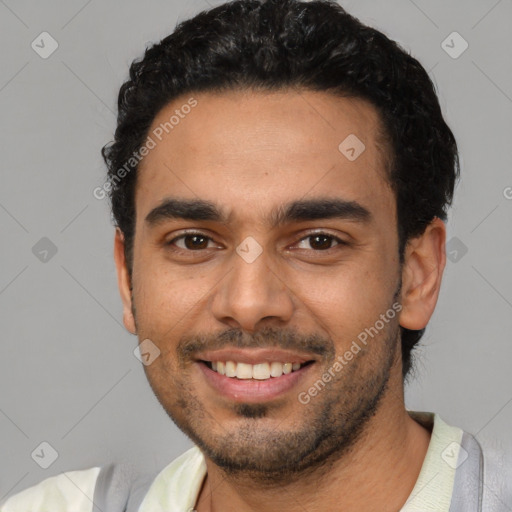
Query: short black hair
x: 275, y: 45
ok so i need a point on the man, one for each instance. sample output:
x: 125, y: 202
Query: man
x: 280, y: 178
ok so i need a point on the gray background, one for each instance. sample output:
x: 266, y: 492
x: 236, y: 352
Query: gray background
x: 68, y: 375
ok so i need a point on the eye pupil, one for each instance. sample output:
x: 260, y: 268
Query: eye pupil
x: 197, y: 242
x: 326, y: 242
x: 194, y: 244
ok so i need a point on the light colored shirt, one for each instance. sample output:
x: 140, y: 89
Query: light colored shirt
x: 176, y: 487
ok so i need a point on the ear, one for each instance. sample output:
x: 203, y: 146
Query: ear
x: 123, y: 281
x: 424, y: 262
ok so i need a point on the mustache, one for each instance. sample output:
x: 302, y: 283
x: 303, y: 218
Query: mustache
x: 269, y: 337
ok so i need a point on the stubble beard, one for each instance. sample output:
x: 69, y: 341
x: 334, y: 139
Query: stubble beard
x: 334, y: 422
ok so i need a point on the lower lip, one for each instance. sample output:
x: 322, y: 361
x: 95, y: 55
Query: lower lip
x: 253, y: 390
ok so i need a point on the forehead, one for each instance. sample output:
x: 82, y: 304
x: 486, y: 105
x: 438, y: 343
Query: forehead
x: 247, y: 150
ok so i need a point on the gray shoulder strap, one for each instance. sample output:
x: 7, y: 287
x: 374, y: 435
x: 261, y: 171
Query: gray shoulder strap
x: 118, y: 490
x: 112, y: 488
x: 468, y: 484
x: 138, y: 492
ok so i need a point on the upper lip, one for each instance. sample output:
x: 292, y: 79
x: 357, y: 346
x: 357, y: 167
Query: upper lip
x: 254, y: 356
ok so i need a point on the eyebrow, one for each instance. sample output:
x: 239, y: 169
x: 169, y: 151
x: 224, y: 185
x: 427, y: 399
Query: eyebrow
x: 295, y: 211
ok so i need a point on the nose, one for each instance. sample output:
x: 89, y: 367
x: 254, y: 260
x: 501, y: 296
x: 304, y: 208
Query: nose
x: 252, y: 295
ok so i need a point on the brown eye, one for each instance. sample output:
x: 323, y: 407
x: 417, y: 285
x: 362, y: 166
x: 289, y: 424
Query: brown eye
x: 321, y: 241
x: 195, y: 242
x: 191, y: 242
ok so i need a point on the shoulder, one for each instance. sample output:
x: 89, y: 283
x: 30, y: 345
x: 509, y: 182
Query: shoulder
x: 65, y: 492
x: 497, y: 472
x: 177, y: 486
x: 113, y: 487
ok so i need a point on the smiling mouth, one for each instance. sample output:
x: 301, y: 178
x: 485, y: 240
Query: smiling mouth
x: 260, y: 371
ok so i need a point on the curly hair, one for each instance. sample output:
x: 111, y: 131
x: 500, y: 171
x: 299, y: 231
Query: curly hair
x: 277, y: 44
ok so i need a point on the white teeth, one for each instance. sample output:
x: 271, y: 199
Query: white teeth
x: 244, y: 371
x: 276, y: 369
x: 260, y: 371
x: 230, y: 369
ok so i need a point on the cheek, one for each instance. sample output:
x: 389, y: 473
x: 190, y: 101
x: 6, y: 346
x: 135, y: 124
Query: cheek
x: 165, y: 299
x: 348, y: 300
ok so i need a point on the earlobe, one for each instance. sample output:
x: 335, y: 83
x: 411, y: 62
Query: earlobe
x: 424, y: 263
x: 123, y: 281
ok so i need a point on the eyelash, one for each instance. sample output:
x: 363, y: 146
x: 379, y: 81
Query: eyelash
x: 339, y: 241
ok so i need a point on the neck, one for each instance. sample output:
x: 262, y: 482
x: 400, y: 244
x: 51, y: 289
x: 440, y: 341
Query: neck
x: 377, y: 473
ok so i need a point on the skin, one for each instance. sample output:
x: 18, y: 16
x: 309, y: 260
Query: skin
x: 249, y: 152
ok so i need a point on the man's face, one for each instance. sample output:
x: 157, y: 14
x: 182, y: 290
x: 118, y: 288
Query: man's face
x: 248, y: 289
